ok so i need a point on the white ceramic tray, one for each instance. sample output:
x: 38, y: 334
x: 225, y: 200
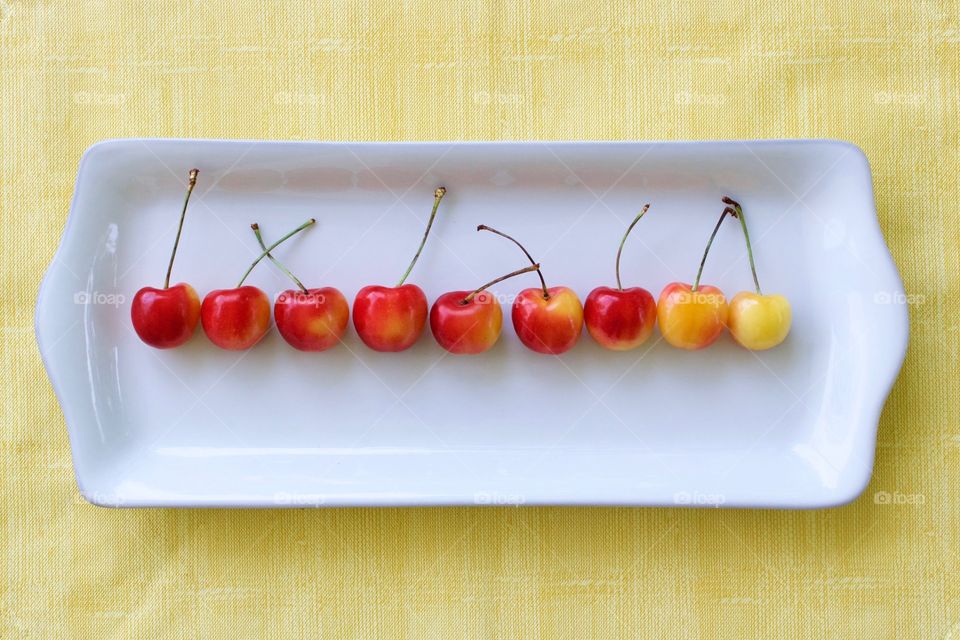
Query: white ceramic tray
x: 197, y: 426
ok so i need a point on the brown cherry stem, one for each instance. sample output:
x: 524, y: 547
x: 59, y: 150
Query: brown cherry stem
x: 727, y: 211
x: 624, y: 239
x: 437, y: 197
x: 191, y: 183
x: 472, y: 294
x: 543, y: 283
x: 256, y: 232
x: 274, y: 246
x: 746, y: 236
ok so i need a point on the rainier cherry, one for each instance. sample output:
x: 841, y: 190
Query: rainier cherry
x: 465, y: 322
x: 166, y: 318
x: 546, y: 320
x: 757, y: 321
x: 621, y: 319
x: 392, y: 318
x: 693, y: 317
x: 236, y: 319
x: 308, y: 319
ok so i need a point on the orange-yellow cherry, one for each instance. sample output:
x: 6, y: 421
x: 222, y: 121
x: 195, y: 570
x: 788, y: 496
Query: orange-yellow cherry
x: 693, y: 317
x: 757, y: 321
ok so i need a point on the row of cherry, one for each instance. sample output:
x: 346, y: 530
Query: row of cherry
x: 546, y: 319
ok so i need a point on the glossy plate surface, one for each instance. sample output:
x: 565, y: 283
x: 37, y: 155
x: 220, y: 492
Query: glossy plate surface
x: 197, y: 426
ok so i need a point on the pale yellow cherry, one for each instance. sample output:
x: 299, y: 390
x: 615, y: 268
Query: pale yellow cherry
x: 757, y: 321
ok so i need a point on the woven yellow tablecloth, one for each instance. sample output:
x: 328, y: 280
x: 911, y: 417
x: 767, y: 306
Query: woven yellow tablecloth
x: 883, y: 75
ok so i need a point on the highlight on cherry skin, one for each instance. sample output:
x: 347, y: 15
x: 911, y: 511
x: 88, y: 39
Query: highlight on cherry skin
x: 621, y: 319
x: 166, y: 318
x: 391, y: 319
x: 308, y: 319
x: 238, y: 318
x: 692, y: 317
x: 757, y: 321
x: 465, y: 322
x: 547, y: 320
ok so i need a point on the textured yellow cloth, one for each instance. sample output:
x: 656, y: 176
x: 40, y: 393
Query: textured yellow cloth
x: 883, y: 75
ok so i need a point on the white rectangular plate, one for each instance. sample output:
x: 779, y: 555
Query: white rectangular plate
x: 196, y: 426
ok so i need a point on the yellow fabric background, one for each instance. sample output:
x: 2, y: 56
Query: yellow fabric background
x: 883, y: 75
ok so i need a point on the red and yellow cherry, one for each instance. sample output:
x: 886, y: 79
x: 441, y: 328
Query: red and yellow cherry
x: 166, y: 318
x: 469, y: 322
x: 693, y: 317
x: 621, y: 319
x: 312, y: 319
x: 236, y: 319
x: 391, y: 319
x: 547, y: 320
x: 308, y: 319
x: 757, y: 321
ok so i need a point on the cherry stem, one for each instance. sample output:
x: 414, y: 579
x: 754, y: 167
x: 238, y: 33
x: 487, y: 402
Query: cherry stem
x: 727, y: 211
x: 624, y: 239
x: 746, y: 236
x: 437, y: 197
x: 191, y: 183
x: 543, y: 283
x: 468, y: 298
x: 276, y: 244
x: 256, y: 232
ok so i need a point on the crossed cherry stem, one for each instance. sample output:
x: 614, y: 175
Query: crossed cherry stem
x: 536, y: 266
x: 277, y: 263
x: 466, y: 300
x: 267, y: 250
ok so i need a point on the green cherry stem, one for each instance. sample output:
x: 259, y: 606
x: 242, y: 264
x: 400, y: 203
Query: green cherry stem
x: 746, y: 236
x: 437, y: 197
x: 624, y: 239
x: 191, y: 183
x: 274, y: 246
x: 543, y: 283
x: 727, y: 211
x: 472, y: 294
x: 256, y: 232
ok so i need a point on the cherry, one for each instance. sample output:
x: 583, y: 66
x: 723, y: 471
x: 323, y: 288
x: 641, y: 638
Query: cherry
x: 547, y: 320
x: 166, y: 318
x: 757, y: 321
x: 308, y: 319
x: 469, y: 323
x: 236, y: 319
x: 693, y: 317
x: 391, y: 319
x: 621, y: 319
